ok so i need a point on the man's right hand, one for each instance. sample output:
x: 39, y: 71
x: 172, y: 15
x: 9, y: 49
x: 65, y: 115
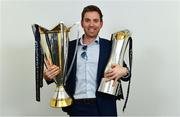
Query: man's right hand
x: 51, y: 72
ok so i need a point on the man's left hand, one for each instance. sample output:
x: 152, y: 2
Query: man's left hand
x: 116, y: 72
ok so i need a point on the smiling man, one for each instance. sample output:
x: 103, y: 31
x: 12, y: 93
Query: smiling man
x: 88, y: 69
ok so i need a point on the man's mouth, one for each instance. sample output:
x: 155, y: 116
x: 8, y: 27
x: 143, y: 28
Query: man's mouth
x: 92, y: 30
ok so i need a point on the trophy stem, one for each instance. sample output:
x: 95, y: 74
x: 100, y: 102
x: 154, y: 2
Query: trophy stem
x: 60, y: 98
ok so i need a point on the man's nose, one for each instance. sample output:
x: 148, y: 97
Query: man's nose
x: 91, y: 23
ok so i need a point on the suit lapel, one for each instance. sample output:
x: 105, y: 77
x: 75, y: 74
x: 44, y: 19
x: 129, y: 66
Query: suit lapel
x: 104, y: 53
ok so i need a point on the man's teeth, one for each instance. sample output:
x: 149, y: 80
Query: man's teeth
x: 91, y: 30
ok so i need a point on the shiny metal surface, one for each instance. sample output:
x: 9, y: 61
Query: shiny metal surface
x: 119, y: 45
x: 54, y: 44
x: 60, y: 98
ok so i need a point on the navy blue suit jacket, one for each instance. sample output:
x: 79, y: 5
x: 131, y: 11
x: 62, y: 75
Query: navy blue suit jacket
x: 106, y: 103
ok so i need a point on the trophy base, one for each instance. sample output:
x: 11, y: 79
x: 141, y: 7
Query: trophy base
x: 60, y: 103
x: 108, y: 88
x: 60, y: 98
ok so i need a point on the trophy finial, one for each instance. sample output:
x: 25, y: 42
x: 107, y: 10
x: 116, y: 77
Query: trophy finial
x: 122, y: 35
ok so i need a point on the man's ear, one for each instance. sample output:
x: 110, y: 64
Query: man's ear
x: 101, y: 24
x: 81, y: 23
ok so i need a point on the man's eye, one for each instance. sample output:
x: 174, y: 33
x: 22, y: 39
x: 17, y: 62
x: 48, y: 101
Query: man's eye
x: 95, y: 21
x: 87, y: 20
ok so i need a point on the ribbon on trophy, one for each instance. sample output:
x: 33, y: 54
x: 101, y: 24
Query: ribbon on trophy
x: 51, y: 47
x: 130, y: 70
x: 39, y: 62
x: 120, y: 41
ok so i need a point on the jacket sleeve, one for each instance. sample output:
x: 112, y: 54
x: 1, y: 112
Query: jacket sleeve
x: 49, y: 81
x: 128, y: 76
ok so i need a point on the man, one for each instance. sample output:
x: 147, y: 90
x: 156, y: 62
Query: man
x: 88, y: 69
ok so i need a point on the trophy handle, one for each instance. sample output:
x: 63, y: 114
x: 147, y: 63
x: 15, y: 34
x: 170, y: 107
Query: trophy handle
x: 75, y: 52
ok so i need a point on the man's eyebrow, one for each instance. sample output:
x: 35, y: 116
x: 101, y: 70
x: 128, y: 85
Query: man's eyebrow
x: 92, y: 19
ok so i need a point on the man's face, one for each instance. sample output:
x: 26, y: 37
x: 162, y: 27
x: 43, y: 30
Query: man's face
x: 91, y: 24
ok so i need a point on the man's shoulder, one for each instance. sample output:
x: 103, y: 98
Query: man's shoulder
x: 104, y: 40
x: 72, y: 42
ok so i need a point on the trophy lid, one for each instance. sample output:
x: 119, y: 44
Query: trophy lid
x: 124, y: 34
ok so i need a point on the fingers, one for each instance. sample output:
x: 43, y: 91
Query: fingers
x: 115, y: 81
x: 113, y: 66
x: 115, y: 73
x: 51, y: 72
x: 48, y: 63
x: 112, y: 73
x: 110, y: 76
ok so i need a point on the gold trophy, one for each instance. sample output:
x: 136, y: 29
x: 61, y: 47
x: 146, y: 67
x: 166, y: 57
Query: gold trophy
x: 119, y: 45
x: 52, y: 46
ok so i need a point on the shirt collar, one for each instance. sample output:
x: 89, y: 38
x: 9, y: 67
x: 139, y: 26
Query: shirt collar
x: 96, y: 41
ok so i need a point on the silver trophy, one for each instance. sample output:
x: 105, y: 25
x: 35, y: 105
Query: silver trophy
x: 54, y: 48
x: 119, y: 45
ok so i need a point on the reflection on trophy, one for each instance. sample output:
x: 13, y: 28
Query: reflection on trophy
x: 119, y: 44
x: 52, y: 48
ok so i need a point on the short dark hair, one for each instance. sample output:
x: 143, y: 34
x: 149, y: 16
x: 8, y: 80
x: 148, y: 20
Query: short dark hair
x: 91, y: 8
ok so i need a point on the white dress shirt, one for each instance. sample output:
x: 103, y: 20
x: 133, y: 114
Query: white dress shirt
x: 86, y: 74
